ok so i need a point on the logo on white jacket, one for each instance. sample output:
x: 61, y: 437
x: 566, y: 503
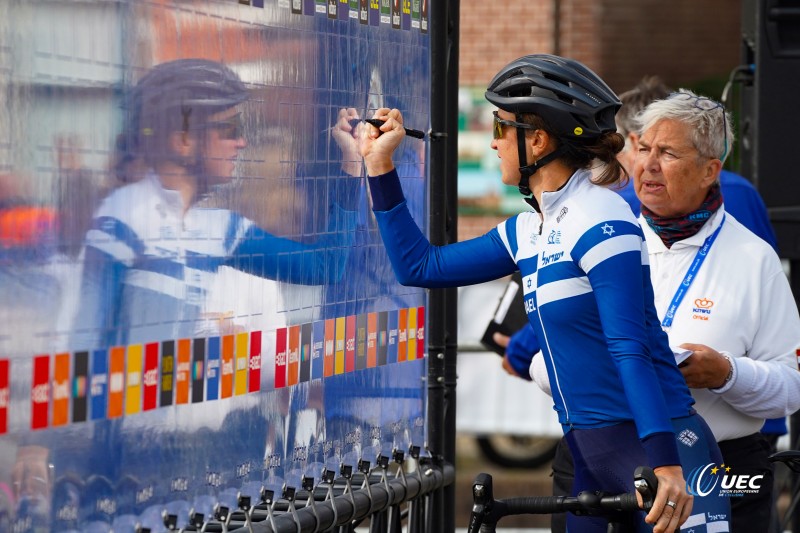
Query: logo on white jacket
x: 701, y: 310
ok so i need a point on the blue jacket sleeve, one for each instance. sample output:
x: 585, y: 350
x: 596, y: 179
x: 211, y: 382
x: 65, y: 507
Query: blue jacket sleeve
x: 745, y: 204
x: 416, y: 261
x: 322, y: 261
x: 617, y: 279
x: 522, y: 347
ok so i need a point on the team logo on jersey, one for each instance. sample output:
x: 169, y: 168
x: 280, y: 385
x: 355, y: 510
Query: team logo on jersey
x: 554, y: 237
x: 608, y: 229
x: 552, y: 258
x: 562, y: 214
x: 702, y: 481
x: 702, y: 308
x: 534, y: 238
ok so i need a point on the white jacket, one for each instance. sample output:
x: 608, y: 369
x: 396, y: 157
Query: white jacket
x: 739, y: 304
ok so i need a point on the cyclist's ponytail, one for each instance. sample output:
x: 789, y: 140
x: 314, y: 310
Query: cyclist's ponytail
x: 605, y: 149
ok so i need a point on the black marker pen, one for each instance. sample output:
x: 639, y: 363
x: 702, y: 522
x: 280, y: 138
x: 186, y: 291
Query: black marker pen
x: 417, y: 134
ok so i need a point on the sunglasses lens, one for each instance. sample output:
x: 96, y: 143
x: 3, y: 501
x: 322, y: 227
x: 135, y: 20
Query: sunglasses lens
x: 497, y: 129
x: 235, y: 131
x: 229, y: 129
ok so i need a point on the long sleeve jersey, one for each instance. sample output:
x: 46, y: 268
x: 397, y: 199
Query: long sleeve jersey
x: 148, y: 264
x: 587, y: 293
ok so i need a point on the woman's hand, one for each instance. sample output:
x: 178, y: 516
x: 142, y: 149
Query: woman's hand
x: 672, y: 505
x: 378, y: 146
x: 706, y: 368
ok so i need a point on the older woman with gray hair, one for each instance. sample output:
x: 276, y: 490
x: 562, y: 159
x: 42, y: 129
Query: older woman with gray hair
x: 720, y: 293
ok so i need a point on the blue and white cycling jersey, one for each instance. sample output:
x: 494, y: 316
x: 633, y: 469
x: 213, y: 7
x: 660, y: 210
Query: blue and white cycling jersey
x: 148, y: 264
x: 587, y: 294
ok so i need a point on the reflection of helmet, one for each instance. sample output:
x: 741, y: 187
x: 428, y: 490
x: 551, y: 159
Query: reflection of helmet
x: 179, y: 95
x: 571, y: 99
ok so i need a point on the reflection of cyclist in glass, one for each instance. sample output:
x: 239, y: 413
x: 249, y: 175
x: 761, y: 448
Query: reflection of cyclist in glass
x: 619, y: 394
x: 152, y: 251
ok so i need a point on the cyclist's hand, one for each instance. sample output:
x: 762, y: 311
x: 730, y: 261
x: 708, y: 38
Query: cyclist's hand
x: 671, y: 488
x: 378, y: 145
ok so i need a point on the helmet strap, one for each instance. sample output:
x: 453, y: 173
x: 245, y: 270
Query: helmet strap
x: 526, y: 171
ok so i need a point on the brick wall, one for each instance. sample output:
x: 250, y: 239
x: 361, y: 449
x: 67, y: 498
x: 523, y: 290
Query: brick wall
x: 494, y: 32
x: 684, y: 41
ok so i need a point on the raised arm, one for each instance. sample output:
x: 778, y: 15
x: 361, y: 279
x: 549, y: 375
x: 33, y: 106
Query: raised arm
x: 262, y: 254
x: 415, y: 260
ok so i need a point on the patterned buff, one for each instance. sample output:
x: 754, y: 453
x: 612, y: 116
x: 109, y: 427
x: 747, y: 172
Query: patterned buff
x: 674, y: 229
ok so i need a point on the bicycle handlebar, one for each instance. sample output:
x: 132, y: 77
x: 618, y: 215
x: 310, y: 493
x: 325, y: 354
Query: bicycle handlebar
x: 486, y: 511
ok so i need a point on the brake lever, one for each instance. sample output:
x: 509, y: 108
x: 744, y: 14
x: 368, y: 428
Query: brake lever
x: 646, y: 484
x: 482, y: 502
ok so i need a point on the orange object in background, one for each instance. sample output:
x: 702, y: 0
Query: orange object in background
x: 26, y: 226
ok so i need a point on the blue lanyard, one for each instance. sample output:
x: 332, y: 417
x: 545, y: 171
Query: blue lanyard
x: 690, y: 276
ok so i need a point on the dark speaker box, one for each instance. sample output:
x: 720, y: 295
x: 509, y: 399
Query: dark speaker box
x: 770, y: 113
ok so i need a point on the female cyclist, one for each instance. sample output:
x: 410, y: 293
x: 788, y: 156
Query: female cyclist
x: 618, y: 392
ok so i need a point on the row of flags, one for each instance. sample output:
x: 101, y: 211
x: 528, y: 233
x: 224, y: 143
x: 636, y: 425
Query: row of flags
x: 125, y: 380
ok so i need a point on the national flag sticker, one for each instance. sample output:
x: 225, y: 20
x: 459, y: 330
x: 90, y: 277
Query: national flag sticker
x: 40, y: 392
x: 5, y: 394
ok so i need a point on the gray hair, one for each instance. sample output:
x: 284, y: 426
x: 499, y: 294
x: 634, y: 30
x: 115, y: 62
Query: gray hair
x: 709, y: 123
x: 649, y: 89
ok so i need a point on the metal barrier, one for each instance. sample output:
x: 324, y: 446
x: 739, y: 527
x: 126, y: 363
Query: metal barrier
x: 339, y: 503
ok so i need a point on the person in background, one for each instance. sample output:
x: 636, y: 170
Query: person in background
x: 580, y: 253
x: 738, y: 316
x: 741, y: 197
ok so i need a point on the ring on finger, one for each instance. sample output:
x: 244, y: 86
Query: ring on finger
x: 672, y: 504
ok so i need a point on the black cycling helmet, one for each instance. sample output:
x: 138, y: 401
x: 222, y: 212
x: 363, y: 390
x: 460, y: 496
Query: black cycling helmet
x: 572, y: 99
x: 179, y: 95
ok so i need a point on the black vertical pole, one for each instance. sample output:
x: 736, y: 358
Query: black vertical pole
x: 442, y: 304
x: 451, y: 302
x: 794, y: 420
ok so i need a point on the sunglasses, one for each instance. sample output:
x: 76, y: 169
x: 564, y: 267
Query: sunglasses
x: 707, y: 104
x: 498, y: 123
x: 230, y: 129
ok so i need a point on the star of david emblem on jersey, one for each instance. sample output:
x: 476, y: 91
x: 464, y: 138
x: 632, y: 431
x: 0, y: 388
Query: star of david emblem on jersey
x: 607, y: 229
